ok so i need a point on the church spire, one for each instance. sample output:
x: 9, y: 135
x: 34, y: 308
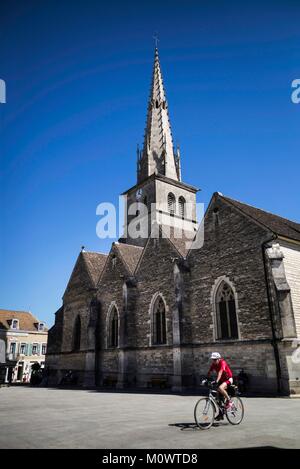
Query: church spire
x: 157, y: 155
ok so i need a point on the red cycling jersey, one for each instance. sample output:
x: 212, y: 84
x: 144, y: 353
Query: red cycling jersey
x: 226, y: 371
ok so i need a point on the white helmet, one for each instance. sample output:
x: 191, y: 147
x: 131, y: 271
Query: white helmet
x: 215, y: 356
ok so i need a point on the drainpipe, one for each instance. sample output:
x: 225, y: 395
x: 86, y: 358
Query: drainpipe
x: 274, y: 339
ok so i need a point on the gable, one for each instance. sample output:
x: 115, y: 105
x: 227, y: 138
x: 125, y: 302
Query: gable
x: 80, y: 279
x: 86, y: 272
x: 95, y: 263
x: 129, y: 254
x: 115, y: 269
x: 228, y: 230
x: 158, y: 255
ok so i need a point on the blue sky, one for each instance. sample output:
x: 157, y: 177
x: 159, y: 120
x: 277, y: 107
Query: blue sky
x: 78, y: 78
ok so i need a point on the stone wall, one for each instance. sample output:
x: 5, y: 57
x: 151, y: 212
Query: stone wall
x: 232, y: 250
x: 256, y: 358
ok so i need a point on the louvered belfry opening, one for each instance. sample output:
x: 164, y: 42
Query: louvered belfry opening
x: 171, y: 203
x: 181, y: 204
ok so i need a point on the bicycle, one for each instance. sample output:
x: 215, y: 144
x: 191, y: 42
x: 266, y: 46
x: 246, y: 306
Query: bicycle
x: 207, y: 408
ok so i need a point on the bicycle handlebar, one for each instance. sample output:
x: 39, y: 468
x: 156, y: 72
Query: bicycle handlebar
x: 207, y: 382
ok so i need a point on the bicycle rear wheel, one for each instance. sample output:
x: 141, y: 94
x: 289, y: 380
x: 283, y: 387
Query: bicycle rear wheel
x: 204, y: 413
x: 235, y: 414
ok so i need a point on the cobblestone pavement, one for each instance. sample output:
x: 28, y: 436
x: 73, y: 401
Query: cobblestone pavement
x: 64, y: 418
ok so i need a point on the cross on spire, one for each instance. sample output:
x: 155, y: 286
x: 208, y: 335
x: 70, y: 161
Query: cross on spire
x: 156, y: 39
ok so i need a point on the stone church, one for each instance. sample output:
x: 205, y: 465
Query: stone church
x: 152, y: 310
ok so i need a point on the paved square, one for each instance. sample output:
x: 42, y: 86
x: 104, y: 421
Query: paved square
x: 61, y: 418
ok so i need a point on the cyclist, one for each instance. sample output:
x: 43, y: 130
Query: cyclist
x: 224, y: 377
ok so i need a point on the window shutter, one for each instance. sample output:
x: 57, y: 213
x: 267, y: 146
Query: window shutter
x: 29, y: 349
x: 38, y: 348
x: 26, y: 350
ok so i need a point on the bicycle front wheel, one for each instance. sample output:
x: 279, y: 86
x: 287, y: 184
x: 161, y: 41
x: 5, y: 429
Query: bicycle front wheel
x: 235, y: 414
x: 204, y: 413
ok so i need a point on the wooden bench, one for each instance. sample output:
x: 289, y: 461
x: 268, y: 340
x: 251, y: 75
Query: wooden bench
x: 110, y: 381
x: 158, y: 382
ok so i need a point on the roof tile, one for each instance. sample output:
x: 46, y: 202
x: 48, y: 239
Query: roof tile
x: 276, y: 224
x: 27, y: 322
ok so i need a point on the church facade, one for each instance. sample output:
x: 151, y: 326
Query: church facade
x: 152, y: 310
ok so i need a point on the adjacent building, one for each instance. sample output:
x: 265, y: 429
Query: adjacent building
x: 23, y: 340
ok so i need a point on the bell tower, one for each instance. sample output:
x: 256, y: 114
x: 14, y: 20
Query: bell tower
x: 159, y: 188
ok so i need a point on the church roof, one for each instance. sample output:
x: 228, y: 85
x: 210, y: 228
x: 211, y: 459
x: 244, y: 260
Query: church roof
x: 161, y: 177
x: 95, y: 262
x: 27, y: 322
x: 181, y: 243
x: 87, y: 270
x: 130, y: 255
x: 278, y: 225
x: 158, y: 153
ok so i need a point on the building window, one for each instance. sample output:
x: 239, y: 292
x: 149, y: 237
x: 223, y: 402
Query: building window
x: 227, y: 327
x: 34, y: 349
x: 159, y: 332
x: 113, y: 331
x: 181, y: 202
x: 77, y: 334
x: 41, y: 326
x: 15, y: 324
x: 13, y: 348
x: 22, y: 349
x: 44, y: 349
x: 171, y: 203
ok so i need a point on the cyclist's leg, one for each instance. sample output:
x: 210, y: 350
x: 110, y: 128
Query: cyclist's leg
x: 222, y: 389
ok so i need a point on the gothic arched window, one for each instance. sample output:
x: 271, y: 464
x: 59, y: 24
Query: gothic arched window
x: 77, y: 334
x: 113, y: 329
x: 171, y: 203
x: 181, y: 203
x: 159, y: 330
x: 227, y: 327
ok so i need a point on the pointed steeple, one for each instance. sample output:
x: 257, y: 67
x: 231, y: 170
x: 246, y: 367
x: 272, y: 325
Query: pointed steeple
x: 157, y: 155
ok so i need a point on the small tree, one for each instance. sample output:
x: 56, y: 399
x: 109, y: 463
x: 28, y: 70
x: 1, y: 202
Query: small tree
x: 36, y: 374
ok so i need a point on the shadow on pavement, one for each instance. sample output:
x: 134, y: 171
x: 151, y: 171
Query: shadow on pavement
x: 185, y: 426
x: 193, y: 426
x: 107, y: 389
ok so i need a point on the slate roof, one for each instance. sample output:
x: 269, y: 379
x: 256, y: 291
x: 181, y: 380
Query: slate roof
x: 275, y: 223
x: 27, y: 322
x: 130, y: 255
x: 95, y: 262
x: 181, y: 243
